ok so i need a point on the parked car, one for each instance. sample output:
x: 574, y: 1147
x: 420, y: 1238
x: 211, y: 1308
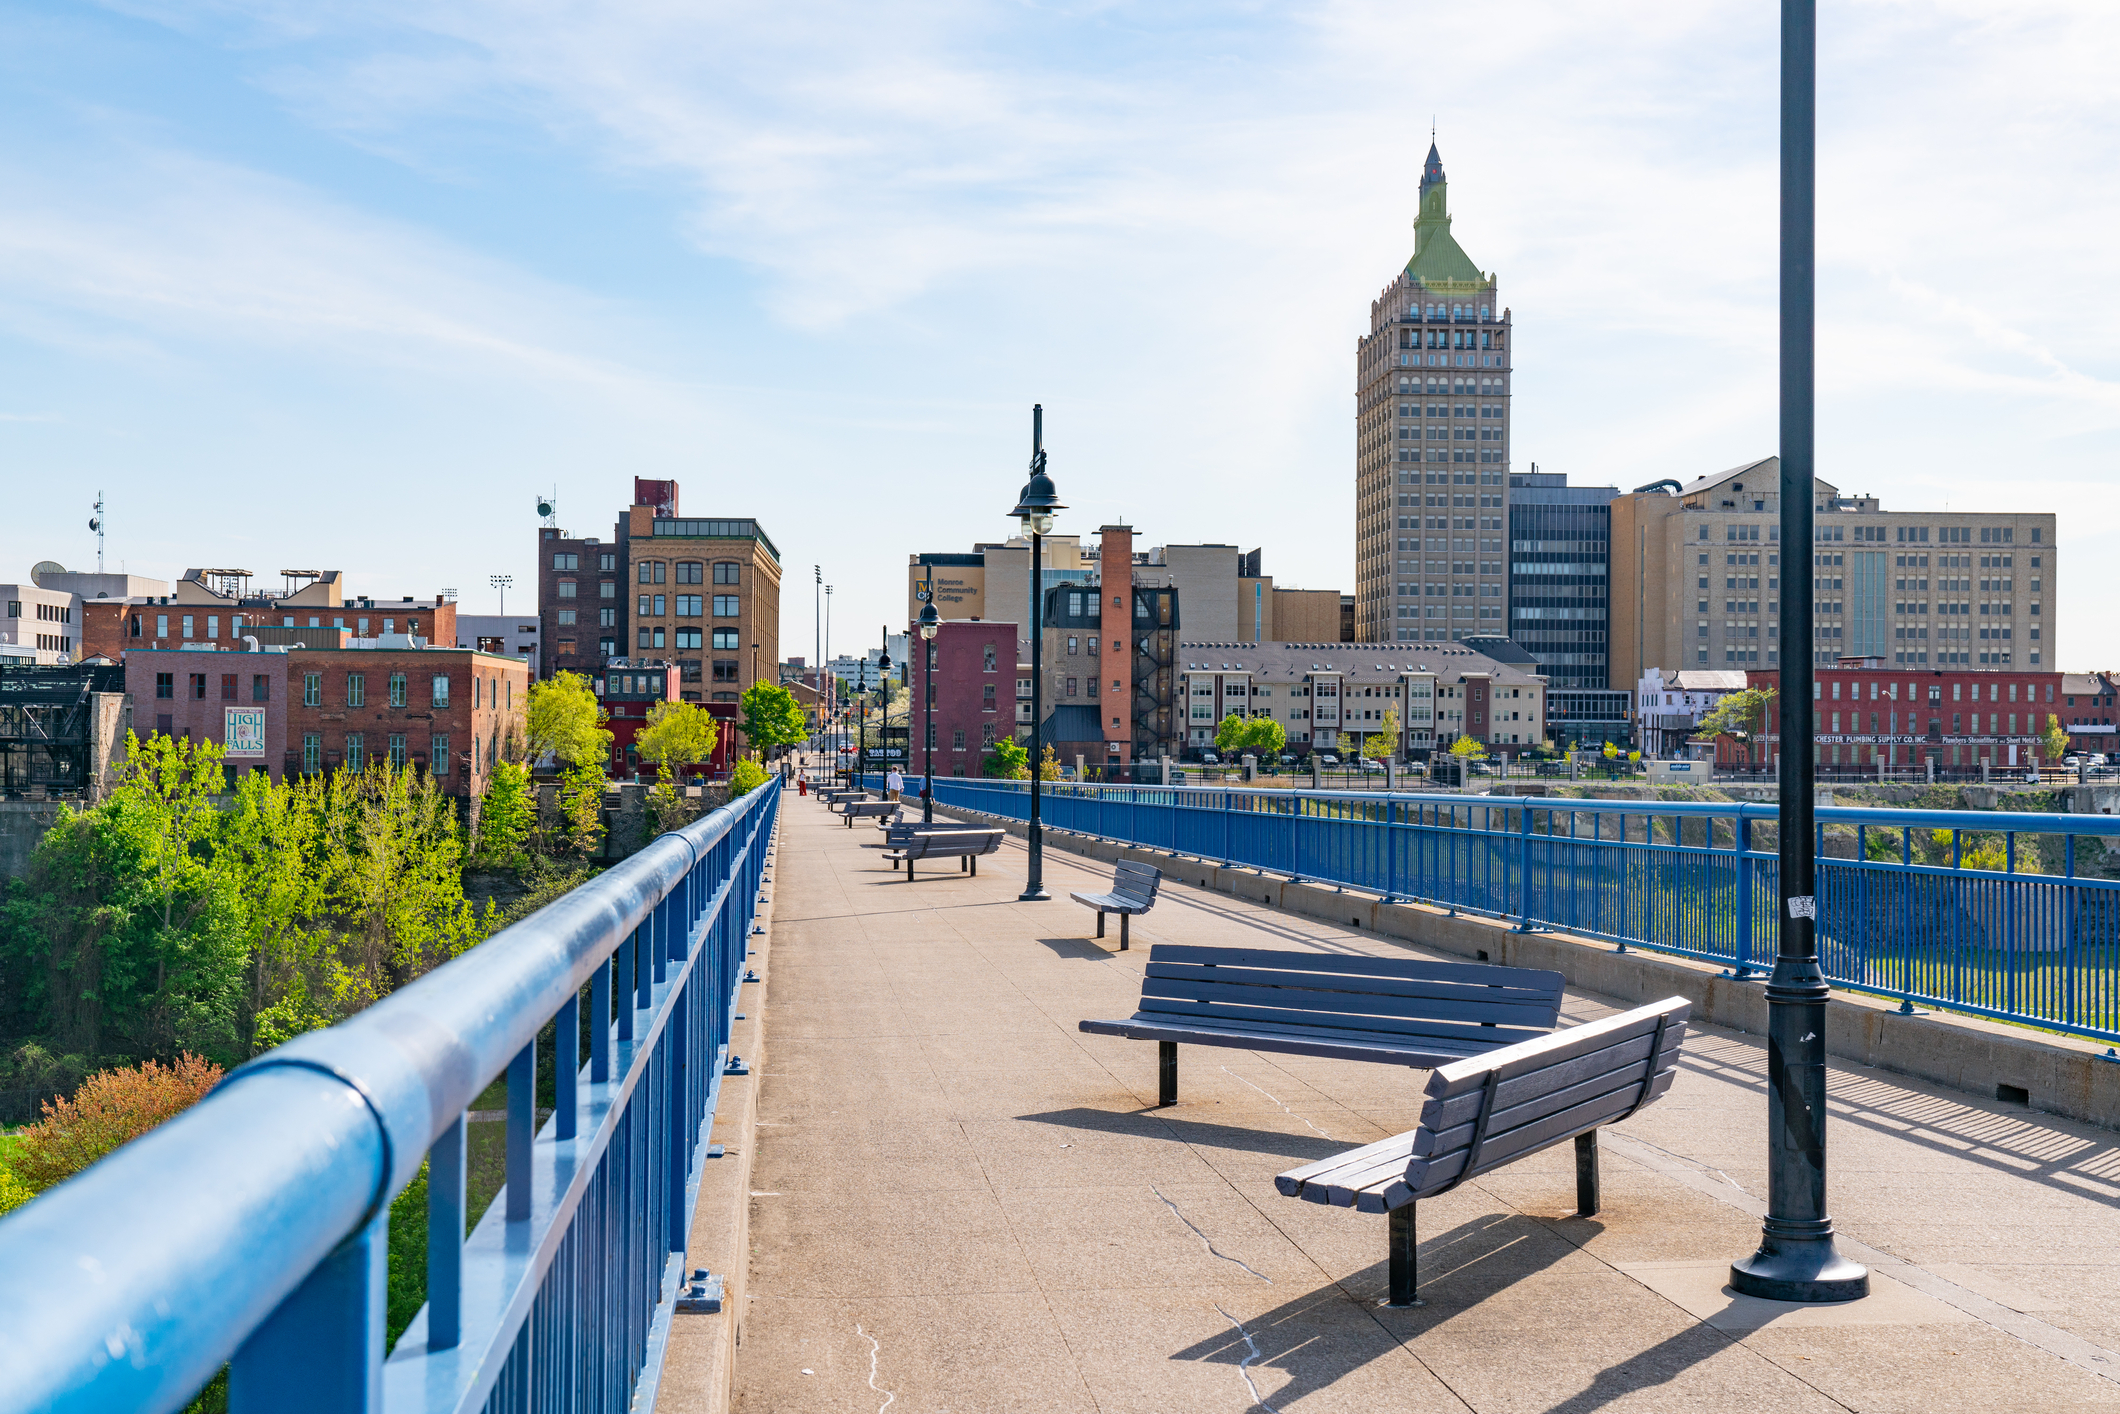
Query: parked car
x: 1287, y: 759
x: 1326, y: 758
x: 1208, y: 758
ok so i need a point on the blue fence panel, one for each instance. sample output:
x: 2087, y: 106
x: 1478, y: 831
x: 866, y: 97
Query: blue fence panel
x: 251, y: 1229
x: 1698, y: 879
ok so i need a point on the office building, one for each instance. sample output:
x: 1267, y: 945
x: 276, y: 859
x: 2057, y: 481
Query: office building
x: 700, y: 595
x: 1559, y: 538
x: 1869, y: 712
x: 511, y: 635
x: 1697, y: 573
x: 1330, y: 697
x: 1432, y: 406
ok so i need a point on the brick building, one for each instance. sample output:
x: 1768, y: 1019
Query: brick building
x: 703, y: 595
x: 1957, y: 718
x: 218, y: 609
x: 2087, y: 702
x: 236, y: 700
x: 967, y: 677
x: 629, y: 690
x: 454, y: 711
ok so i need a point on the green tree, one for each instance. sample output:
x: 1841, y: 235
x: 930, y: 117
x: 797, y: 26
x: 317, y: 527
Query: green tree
x: 681, y: 734
x: 1231, y: 734
x: 566, y: 720
x: 1007, y: 760
x: 1048, y: 765
x: 771, y: 717
x: 580, y: 827
x: 1265, y: 737
x: 1468, y: 746
x: 506, y: 817
x: 1385, y: 739
x: 2053, y: 742
x: 746, y: 777
x: 1742, y: 711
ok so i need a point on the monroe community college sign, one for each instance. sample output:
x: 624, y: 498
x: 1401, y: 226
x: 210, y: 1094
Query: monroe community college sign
x: 243, y: 731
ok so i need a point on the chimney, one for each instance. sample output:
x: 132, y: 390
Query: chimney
x: 1116, y: 576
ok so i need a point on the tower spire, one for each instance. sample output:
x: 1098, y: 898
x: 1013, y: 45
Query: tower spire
x: 1432, y: 169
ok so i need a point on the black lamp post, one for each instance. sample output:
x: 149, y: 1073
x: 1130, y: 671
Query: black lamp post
x: 1034, y: 510
x: 929, y: 622
x: 1797, y: 1260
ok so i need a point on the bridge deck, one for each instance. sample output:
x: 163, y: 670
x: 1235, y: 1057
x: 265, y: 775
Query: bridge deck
x: 961, y: 1203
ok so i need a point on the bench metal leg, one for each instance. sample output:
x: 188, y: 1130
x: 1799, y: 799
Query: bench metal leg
x: 1404, y: 1263
x: 1586, y: 1186
x: 975, y: 864
x: 909, y: 870
x: 1100, y: 922
x: 1122, y: 930
x: 1166, y: 1072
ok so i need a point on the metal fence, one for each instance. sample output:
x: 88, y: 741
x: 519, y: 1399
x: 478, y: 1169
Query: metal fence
x: 1983, y: 912
x: 251, y: 1230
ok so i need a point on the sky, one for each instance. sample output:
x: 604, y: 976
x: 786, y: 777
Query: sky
x: 350, y: 286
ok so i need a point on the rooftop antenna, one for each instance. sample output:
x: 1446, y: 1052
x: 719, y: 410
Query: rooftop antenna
x: 95, y: 523
x: 548, y: 507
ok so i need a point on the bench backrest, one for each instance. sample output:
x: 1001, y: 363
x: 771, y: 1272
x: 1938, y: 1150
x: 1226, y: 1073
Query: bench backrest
x: 1136, y: 883
x: 948, y: 842
x: 1498, y: 1107
x: 1393, y: 998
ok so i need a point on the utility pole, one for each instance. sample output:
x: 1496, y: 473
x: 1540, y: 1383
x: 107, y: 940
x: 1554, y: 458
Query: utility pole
x: 1797, y: 1260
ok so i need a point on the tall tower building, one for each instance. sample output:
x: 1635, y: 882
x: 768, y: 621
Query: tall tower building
x: 1432, y: 444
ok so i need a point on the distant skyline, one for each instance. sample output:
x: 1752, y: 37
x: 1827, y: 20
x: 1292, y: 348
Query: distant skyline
x: 351, y: 286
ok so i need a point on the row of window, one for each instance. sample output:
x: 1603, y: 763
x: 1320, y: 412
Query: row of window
x: 1485, y: 456
x: 725, y: 639
x: 187, y: 623
x: 567, y: 560
x: 685, y: 606
x: 497, y: 692
x: 688, y: 571
x: 354, y: 754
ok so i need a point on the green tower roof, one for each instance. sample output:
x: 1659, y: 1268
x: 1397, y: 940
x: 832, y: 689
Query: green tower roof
x: 1438, y: 260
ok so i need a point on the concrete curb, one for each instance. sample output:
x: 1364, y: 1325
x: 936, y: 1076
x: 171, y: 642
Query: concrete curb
x: 2058, y: 1074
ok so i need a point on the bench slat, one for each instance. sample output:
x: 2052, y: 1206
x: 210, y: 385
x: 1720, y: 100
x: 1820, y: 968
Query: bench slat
x: 1484, y: 973
x: 1416, y: 1053
x: 1110, y: 903
x: 1441, y: 988
x: 1436, y: 1143
x: 1381, y: 998
x: 1427, y: 1176
x: 1566, y: 1045
x: 1398, y: 1147
x: 1625, y: 1057
x: 1216, y: 1013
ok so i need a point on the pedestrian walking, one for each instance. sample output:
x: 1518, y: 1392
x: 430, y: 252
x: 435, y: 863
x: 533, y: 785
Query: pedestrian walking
x: 894, y: 783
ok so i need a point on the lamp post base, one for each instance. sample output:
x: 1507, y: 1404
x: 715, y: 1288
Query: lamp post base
x: 1806, y: 1269
x: 1034, y: 894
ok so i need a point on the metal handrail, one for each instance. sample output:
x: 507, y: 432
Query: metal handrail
x: 251, y: 1229
x: 2036, y: 947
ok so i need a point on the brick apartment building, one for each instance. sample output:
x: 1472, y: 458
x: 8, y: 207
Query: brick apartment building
x: 1956, y: 718
x: 304, y: 711
x: 964, y: 694
x: 217, y: 609
x: 699, y: 596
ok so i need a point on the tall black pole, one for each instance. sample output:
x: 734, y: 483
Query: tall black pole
x: 1034, y: 876
x: 1797, y: 1260
x: 927, y: 691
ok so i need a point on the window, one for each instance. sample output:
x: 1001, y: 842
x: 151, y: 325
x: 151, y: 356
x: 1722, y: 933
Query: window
x: 228, y: 687
x: 725, y: 638
x: 356, y: 751
x: 440, y: 690
x: 607, y: 590
x: 566, y: 616
x: 726, y: 606
x: 653, y: 571
x: 566, y: 562
x: 312, y: 753
x: 989, y: 660
x: 689, y: 606
x: 397, y: 689
x: 356, y: 690
x: 165, y: 685
x: 688, y: 638
x: 726, y: 571
x: 438, y: 763
x: 659, y: 600
x: 986, y: 698
x: 566, y: 591
x: 198, y: 687
x: 640, y: 605
x: 397, y: 751
x: 260, y: 688
x: 607, y: 618
x: 957, y: 739
x: 607, y: 562
x: 726, y: 671
x: 689, y: 571
x: 1073, y: 644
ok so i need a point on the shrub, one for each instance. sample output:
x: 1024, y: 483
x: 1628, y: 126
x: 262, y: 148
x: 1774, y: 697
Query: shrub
x: 13, y: 1191
x: 109, y: 1110
x: 747, y: 777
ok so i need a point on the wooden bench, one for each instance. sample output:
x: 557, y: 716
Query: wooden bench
x: 1497, y: 1108
x: 1133, y: 891
x: 1400, y: 1011
x: 838, y: 797
x: 964, y: 845
x: 897, y: 832
x: 864, y: 809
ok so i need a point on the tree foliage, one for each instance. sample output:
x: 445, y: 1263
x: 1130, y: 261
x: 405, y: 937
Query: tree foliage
x: 567, y: 722
x: 1262, y: 735
x: 507, y: 817
x: 2053, y: 742
x: 110, y: 1109
x: 1468, y: 746
x: 771, y: 717
x: 679, y: 734
x: 1007, y: 760
x: 1744, y: 710
x: 177, y: 915
x: 746, y: 777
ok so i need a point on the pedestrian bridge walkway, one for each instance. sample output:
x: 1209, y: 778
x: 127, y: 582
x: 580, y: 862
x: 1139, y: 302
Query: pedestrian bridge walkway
x: 957, y: 1202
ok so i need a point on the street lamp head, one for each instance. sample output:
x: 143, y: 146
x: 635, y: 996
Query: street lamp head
x: 1038, y: 502
x: 929, y: 621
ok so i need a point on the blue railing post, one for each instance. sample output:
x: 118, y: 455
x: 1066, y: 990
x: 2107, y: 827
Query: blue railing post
x: 1745, y: 908
x: 325, y: 1339
x: 600, y: 1023
x: 566, y: 1068
x: 446, y: 1202
x: 522, y: 1129
x: 679, y: 1157
x: 1523, y: 912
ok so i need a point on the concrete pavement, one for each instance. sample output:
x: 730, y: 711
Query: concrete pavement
x: 960, y: 1203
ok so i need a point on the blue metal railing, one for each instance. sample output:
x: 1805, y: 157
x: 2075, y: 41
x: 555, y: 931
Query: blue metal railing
x: 251, y: 1229
x: 1903, y: 912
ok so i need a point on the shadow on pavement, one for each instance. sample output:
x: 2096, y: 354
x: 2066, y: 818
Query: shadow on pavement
x: 1148, y: 1124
